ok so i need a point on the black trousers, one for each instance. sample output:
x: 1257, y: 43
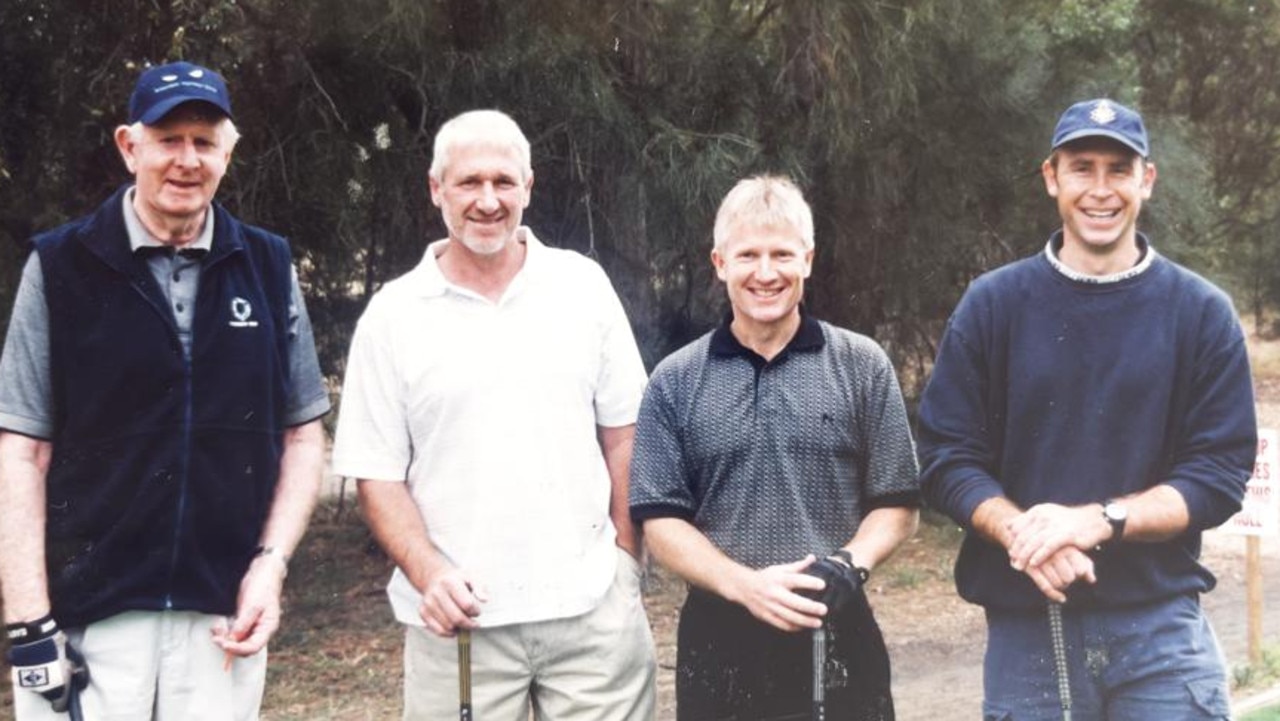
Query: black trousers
x: 732, y: 667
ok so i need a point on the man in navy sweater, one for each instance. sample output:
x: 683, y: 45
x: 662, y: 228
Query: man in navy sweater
x: 1090, y: 413
x: 160, y: 441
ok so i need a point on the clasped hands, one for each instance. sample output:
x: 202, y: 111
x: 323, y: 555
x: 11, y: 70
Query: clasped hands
x: 1050, y: 543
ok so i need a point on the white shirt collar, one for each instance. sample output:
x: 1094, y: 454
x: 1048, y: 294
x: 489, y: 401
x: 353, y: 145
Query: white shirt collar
x: 431, y: 281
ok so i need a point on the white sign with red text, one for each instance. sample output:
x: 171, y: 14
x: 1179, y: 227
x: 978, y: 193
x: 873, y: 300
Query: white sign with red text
x: 1260, y: 515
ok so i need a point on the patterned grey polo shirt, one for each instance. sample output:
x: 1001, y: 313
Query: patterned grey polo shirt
x: 774, y: 460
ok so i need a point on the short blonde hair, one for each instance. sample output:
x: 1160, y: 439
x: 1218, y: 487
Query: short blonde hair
x: 766, y: 201
x: 493, y: 127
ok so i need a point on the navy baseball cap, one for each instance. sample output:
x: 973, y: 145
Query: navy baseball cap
x: 165, y: 87
x: 1102, y: 118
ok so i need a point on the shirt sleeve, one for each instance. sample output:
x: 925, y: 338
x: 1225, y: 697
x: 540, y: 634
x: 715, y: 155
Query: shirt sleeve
x: 26, y: 396
x: 308, y: 397
x: 621, y: 381
x: 659, y: 478
x: 1218, y: 441
x: 893, y: 475
x: 955, y: 454
x: 372, y: 440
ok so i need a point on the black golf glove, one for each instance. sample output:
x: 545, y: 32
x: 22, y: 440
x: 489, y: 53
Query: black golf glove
x: 843, y: 583
x: 45, y: 662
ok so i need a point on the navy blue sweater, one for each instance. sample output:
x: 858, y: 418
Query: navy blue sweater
x: 1048, y: 389
x: 163, y: 468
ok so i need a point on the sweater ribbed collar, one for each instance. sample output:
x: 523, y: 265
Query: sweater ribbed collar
x: 1054, y: 246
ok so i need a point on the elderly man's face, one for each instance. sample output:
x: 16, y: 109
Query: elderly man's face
x: 178, y: 164
x: 482, y: 195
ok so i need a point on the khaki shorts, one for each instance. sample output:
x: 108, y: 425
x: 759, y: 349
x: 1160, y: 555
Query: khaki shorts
x: 160, y: 665
x: 596, y: 666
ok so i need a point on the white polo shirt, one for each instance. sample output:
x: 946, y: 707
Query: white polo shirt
x: 489, y: 412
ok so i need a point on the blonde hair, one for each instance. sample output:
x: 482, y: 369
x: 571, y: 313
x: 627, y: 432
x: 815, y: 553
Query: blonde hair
x: 493, y: 127
x: 770, y: 201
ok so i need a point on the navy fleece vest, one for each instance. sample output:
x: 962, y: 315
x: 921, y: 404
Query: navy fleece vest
x: 163, y: 469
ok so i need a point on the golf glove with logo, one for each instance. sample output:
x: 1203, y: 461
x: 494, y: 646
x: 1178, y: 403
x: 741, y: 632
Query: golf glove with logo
x: 843, y: 583
x: 45, y: 662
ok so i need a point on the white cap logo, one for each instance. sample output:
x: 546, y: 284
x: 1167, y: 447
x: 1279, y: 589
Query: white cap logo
x: 168, y: 78
x: 1102, y: 113
x: 197, y: 73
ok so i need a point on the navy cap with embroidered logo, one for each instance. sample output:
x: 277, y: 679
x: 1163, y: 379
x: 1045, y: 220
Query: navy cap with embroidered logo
x: 1105, y: 119
x: 165, y: 87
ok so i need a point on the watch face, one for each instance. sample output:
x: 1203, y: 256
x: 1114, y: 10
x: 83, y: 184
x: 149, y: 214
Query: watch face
x: 1115, y: 512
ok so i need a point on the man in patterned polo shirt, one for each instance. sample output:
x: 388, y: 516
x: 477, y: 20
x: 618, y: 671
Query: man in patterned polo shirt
x: 773, y: 469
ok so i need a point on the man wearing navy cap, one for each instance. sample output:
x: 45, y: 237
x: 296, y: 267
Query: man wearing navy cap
x: 160, y: 441
x: 1090, y: 414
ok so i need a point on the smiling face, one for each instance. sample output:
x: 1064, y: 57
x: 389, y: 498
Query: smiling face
x: 1099, y: 185
x: 482, y: 194
x: 178, y: 164
x: 764, y: 269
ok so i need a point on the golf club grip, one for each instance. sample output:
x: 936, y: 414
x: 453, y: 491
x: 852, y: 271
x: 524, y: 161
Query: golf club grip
x: 464, y: 674
x: 820, y: 673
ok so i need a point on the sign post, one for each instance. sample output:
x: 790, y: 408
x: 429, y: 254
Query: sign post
x: 1259, y: 516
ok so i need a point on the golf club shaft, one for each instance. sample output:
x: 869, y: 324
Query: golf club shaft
x: 464, y: 674
x: 820, y: 673
x: 73, y: 704
x: 1060, y: 659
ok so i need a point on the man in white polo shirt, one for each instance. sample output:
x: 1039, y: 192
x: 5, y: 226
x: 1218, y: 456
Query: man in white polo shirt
x: 488, y: 411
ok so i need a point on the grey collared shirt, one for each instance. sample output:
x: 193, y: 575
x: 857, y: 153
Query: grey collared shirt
x: 177, y: 276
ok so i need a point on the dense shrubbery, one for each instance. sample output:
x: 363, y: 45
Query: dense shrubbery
x: 915, y: 128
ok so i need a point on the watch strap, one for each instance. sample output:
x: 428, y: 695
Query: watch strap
x: 847, y: 558
x: 28, y: 631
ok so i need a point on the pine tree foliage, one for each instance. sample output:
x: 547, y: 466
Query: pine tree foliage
x: 916, y: 130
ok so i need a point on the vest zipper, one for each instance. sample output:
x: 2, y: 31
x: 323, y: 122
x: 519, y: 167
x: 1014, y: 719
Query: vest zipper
x: 185, y: 448
x: 183, y: 473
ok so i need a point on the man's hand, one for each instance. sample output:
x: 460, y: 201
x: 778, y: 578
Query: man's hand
x: 257, y: 608
x: 842, y: 584
x: 773, y: 595
x: 46, y: 663
x: 450, y: 602
x: 1066, y: 566
x: 1044, y: 529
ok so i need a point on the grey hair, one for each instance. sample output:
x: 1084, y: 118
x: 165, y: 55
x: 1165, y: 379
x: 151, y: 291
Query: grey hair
x: 228, y: 134
x: 493, y: 127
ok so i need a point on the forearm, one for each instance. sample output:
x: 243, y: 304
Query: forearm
x: 396, y: 523
x: 686, y: 551
x: 297, y: 489
x: 616, y: 444
x: 880, y: 534
x: 991, y: 518
x: 24, y: 464
x: 1156, y: 514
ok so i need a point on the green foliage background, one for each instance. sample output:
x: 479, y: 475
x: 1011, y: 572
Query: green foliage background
x: 916, y: 128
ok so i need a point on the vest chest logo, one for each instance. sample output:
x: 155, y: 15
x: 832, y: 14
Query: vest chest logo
x: 241, y: 311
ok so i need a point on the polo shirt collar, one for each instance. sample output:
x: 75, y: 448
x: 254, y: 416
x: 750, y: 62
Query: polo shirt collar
x: 140, y: 237
x: 431, y: 281
x: 808, y: 338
